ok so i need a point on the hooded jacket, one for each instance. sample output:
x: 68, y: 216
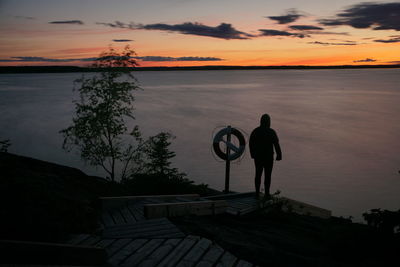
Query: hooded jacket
x: 263, y: 139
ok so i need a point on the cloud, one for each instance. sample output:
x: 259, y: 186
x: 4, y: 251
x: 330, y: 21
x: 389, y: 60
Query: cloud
x: 324, y: 43
x: 291, y: 16
x: 365, y: 60
x: 160, y: 58
x: 394, y: 62
x: 222, y: 31
x: 77, y: 22
x: 117, y: 24
x: 305, y: 27
x: 269, y: 32
x: 24, y: 17
x: 122, y: 40
x: 378, y: 16
x: 328, y: 33
x: 394, y: 39
x: 146, y: 58
x: 44, y: 59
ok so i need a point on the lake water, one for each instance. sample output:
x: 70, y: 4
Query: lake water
x: 339, y: 129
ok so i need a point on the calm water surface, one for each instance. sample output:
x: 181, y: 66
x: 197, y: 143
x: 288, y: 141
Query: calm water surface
x: 339, y: 129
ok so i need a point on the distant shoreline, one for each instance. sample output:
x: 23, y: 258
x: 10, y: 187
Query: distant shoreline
x: 66, y: 69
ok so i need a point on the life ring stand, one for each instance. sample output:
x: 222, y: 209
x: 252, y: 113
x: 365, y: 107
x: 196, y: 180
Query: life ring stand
x: 236, y: 152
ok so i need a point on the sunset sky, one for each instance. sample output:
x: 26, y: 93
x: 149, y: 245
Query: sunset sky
x: 201, y: 32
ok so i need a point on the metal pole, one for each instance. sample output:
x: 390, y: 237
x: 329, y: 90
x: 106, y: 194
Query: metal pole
x: 228, y: 162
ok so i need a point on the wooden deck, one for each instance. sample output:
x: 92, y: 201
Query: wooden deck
x: 185, y: 251
x: 126, y: 210
x: 239, y: 203
x: 133, y: 239
x: 155, y: 228
x: 243, y: 203
x: 136, y: 231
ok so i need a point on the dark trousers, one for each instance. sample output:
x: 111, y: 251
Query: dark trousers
x: 266, y: 166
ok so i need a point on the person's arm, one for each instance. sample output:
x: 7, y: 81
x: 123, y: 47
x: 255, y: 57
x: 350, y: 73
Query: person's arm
x: 278, y: 151
x: 277, y: 147
x: 252, y: 145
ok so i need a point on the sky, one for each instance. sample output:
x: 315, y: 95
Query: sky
x: 201, y: 32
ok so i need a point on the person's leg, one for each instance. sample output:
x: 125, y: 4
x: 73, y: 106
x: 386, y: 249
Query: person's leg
x: 257, y: 180
x: 268, y: 164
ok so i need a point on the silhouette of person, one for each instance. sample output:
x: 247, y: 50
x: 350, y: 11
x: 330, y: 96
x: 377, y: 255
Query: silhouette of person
x: 263, y: 141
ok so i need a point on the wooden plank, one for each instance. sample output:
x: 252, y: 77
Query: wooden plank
x: 128, y: 216
x: 163, y: 229
x: 142, y: 253
x: 117, y: 216
x: 23, y: 252
x: 148, y: 234
x: 243, y: 263
x: 129, y: 249
x: 241, y: 211
x: 211, y: 256
x: 104, y: 243
x: 150, y: 201
x: 195, y: 253
x: 179, y: 251
x: 173, y: 235
x: 183, y: 199
x: 192, y: 196
x: 245, y: 199
x: 137, y: 230
x: 91, y: 241
x: 108, y: 203
x: 250, y: 200
x: 117, y: 245
x: 184, y: 208
x: 248, y: 210
x: 78, y: 239
x: 140, y: 231
x: 141, y: 223
x: 138, y: 226
x: 232, y: 195
x: 107, y: 219
x: 233, y: 211
x: 239, y: 205
x: 137, y: 212
x: 227, y: 260
x: 160, y: 253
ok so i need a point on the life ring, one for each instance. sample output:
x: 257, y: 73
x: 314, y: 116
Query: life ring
x: 235, y: 152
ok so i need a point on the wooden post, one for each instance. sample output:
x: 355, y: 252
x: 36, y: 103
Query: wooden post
x: 228, y: 162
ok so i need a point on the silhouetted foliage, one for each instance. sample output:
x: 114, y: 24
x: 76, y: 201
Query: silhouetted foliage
x: 157, y: 175
x: 384, y: 220
x: 159, y: 155
x: 105, y: 105
x: 4, y: 145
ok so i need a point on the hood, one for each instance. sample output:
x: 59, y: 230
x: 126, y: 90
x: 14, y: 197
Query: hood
x: 265, y: 121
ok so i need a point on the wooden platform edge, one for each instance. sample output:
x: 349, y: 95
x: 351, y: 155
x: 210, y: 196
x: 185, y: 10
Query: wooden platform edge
x: 210, y: 207
x: 108, y: 203
x: 231, y: 195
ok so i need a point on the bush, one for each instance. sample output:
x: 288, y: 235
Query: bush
x: 384, y: 220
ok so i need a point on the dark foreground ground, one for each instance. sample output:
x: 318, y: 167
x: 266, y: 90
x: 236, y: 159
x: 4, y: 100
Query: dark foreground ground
x: 287, y: 239
x: 42, y: 201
